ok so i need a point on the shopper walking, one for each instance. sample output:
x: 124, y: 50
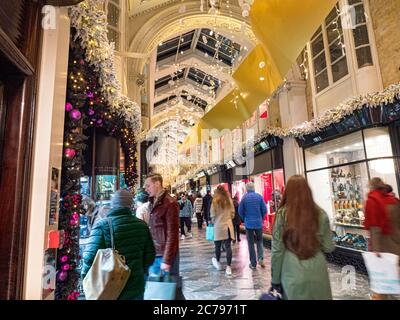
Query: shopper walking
x: 300, y: 237
x: 222, y: 213
x: 207, y: 200
x: 236, y: 220
x: 132, y: 239
x: 252, y: 210
x: 197, y: 208
x: 164, y: 226
x: 185, y: 214
x: 382, y: 219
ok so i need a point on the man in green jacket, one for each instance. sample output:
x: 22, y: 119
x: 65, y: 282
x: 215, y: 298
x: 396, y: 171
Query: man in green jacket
x: 132, y: 239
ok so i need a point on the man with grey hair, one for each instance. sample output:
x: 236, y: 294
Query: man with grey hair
x: 252, y: 210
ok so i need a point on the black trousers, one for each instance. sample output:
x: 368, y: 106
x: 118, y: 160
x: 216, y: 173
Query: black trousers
x: 236, y: 227
x: 199, y: 217
x: 185, y: 221
x: 227, y: 245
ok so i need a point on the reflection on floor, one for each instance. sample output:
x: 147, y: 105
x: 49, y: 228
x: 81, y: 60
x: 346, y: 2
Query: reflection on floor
x: 202, y: 282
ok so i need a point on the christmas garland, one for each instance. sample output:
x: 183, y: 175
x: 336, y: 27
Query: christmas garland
x: 85, y: 107
x: 90, y: 23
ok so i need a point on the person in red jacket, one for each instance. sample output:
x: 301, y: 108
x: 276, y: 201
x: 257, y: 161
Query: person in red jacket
x: 382, y: 219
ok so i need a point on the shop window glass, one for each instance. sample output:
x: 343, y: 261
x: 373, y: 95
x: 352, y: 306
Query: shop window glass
x: 319, y: 185
x: 322, y: 81
x: 341, y: 192
x: 360, y: 35
x: 364, y: 57
x: 319, y: 61
x: 384, y: 169
x: 337, y: 50
x: 113, y: 15
x: 342, y: 150
x: 339, y: 69
x: 377, y: 143
x: 105, y: 187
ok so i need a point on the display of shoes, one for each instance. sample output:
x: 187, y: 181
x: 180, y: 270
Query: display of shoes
x: 350, y: 240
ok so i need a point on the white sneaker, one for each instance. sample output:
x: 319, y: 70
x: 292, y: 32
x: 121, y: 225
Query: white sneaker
x: 228, y: 271
x: 216, y: 264
x: 190, y: 235
x: 182, y: 237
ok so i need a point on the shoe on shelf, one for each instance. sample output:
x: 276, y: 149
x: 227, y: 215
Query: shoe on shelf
x: 182, y: 237
x: 261, y: 263
x: 216, y: 264
x: 252, y: 267
x: 228, y: 271
x: 190, y: 235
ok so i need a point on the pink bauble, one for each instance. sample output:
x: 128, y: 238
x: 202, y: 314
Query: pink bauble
x: 68, y: 106
x: 91, y: 112
x: 64, y: 259
x: 62, y: 276
x: 75, y: 216
x: 70, y: 153
x: 65, y: 267
x: 75, y: 114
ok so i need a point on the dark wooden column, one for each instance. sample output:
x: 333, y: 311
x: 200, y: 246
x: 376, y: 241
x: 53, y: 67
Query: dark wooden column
x: 20, y: 39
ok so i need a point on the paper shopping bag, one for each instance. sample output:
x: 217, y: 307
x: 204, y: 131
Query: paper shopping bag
x: 383, y: 272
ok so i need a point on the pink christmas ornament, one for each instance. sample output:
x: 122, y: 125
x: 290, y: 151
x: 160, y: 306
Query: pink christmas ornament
x: 65, y: 267
x: 70, y: 153
x: 75, y: 114
x: 68, y: 106
x: 91, y: 112
x: 64, y: 259
x: 62, y: 276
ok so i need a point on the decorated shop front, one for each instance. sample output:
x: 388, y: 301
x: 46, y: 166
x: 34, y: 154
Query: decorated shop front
x: 339, y: 161
x: 268, y: 177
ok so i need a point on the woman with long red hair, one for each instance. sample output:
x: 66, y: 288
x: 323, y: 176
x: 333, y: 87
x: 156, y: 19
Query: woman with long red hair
x: 300, y: 237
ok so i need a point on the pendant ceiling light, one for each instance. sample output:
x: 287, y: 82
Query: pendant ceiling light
x: 62, y: 3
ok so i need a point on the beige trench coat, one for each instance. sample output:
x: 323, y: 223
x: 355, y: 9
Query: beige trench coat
x: 222, y: 220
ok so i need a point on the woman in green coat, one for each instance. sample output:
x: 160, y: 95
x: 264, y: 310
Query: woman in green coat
x: 132, y: 239
x: 301, y: 235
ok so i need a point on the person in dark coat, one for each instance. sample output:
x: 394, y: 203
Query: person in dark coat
x: 207, y: 200
x: 236, y: 220
x: 132, y: 239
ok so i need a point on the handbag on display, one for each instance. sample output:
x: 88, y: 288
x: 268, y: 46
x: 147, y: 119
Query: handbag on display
x: 108, y: 274
x: 210, y: 232
x: 160, y: 288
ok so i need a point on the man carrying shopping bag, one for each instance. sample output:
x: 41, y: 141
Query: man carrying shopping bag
x: 164, y: 228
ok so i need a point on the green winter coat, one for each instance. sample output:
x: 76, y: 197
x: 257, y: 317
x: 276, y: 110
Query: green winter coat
x: 132, y: 239
x: 301, y: 279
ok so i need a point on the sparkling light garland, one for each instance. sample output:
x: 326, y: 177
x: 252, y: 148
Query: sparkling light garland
x: 90, y: 23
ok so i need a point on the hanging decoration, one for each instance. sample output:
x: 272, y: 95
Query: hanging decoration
x: 90, y: 23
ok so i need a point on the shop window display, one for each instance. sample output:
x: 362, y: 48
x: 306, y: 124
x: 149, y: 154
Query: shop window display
x: 271, y: 186
x: 239, y: 188
x: 338, y: 172
x: 105, y: 186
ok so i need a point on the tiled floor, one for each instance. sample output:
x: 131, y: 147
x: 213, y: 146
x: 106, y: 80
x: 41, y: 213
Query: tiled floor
x: 201, y: 281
